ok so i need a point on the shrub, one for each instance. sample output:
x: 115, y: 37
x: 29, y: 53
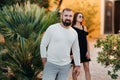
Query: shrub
x: 22, y: 28
x: 110, y: 53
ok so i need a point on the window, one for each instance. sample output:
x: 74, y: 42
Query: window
x: 117, y: 17
x: 108, y: 17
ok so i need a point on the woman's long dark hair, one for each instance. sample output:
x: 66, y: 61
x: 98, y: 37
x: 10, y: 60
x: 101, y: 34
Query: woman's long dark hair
x: 75, y: 18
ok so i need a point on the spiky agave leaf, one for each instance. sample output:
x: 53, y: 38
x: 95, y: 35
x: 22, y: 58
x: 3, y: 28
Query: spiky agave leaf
x: 22, y: 28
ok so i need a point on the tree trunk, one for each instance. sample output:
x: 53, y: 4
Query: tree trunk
x: 60, y: 2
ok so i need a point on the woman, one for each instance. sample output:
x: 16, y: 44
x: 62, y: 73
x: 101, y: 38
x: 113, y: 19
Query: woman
x: 83, y: 43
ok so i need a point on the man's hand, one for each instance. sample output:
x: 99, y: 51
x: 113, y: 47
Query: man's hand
x: 44, y: 60
x: 77, y: 70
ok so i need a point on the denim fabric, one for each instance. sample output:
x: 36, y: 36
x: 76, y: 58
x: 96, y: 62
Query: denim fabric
x: 55, y: 72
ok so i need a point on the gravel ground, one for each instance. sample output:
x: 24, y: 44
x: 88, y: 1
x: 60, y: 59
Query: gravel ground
x: 98, y: 71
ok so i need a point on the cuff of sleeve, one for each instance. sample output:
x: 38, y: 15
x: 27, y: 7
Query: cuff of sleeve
x: 43, y: 56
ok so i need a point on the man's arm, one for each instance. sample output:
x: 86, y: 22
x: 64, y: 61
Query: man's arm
x: 76, y: 52
x: 76, y: 56
x: 43, y: 46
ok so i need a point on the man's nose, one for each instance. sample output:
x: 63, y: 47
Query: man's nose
x: 68, y: 17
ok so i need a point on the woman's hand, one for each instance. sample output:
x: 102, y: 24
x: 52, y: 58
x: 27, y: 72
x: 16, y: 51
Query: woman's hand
x: 88, y: 55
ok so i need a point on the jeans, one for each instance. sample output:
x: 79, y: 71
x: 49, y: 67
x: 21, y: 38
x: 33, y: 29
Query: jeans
x: 55, y: 72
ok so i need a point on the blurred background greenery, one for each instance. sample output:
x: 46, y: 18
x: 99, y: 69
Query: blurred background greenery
x: 22, y: 23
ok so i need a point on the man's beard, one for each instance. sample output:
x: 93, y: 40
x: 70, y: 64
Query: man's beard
x: 66, y: 22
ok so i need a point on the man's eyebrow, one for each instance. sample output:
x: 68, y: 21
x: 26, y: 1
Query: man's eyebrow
x: 66, y: 14
x: 70, y: 15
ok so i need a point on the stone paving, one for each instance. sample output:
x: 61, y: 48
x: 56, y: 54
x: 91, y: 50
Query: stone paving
x: 98, y: 71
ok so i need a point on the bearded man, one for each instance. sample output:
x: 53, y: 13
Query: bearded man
x: 55, y: 48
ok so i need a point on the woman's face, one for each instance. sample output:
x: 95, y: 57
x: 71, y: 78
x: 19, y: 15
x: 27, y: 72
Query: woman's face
x: 79, y: 18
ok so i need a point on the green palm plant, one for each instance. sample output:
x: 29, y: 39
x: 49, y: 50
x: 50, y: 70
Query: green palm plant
x: 22, y: 28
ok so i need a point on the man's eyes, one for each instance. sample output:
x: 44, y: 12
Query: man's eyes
x: 68, y: 15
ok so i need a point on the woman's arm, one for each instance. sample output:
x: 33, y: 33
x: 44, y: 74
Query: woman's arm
x: 88, y: 47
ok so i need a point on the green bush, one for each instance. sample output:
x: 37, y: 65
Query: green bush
x: 110, y: 53
x: 22, y: 28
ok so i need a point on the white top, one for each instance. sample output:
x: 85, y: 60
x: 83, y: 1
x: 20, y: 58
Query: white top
x: 56, y: 45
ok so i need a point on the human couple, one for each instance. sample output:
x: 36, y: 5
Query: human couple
x: 63, y: 41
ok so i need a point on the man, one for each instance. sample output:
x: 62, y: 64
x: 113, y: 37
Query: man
x: 55, y: 48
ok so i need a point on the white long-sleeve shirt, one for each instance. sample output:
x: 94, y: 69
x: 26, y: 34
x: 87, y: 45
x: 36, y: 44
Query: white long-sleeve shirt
x: 56, y: 45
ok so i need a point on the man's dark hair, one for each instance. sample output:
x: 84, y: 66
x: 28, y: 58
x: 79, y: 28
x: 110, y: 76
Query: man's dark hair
x: 66, y: 9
